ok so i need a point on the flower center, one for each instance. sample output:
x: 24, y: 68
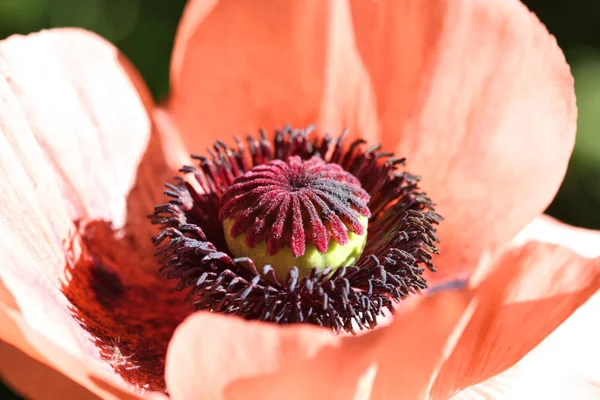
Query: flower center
x: 300, y: 213
x: 273, y: 230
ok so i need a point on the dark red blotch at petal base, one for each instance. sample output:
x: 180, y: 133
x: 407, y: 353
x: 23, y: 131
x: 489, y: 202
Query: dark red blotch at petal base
x: 327, y: 202
x: 401, y: 237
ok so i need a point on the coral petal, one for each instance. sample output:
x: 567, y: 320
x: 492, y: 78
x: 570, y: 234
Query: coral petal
x: 239, y: 66
x: 564, y: 365
x: 212, y: 356
x: 217, y: 357
x: 468, y: 335
x: 40, y: 369
x: 550, y: 283
x: 32, y: 379
x: 478, y: 96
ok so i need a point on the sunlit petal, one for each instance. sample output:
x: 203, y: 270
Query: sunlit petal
x: 240, y: 65
x: 479, y: 98
x: 74, y: 128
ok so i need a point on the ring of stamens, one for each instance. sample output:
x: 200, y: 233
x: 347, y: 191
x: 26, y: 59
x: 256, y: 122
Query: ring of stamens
x: 193, y: 249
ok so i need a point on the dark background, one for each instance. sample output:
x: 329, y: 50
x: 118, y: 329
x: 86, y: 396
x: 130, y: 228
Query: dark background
x: 144, y: 31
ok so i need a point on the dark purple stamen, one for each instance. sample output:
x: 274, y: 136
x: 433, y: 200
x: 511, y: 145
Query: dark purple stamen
x: 401, y: 228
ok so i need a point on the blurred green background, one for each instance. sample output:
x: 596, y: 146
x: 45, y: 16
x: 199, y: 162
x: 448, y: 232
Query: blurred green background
x: 144, y: 31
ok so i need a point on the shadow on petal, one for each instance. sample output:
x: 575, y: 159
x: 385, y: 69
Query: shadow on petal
x: 40, y: 368
x: 35, y: 380
x: 32, y: 379
x: 114, y: 286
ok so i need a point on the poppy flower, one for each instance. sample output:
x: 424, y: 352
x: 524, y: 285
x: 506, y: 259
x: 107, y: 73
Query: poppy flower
x: 475, y: 94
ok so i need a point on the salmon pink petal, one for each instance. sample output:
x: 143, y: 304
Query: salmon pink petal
x: 240, y: 65
x: 76, y: 156
x: 478, y: 96
x: 219, y: 357
x: 550, y: 282
x: 216, y: 357
x: 32, y: 379
x: 436, y: 345
x: 564, y: 365
x: 35, y: 380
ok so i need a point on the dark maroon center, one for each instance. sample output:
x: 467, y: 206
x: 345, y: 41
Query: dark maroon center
x: 290, y: 203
